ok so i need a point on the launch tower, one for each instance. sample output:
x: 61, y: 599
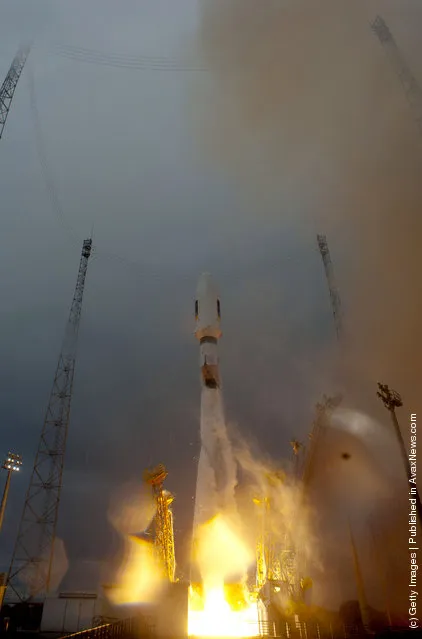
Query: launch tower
x: 31, y: 566
x: 9, y: 85
x: 164, y: 533
x: 409, y: 83
x: 334, y: 294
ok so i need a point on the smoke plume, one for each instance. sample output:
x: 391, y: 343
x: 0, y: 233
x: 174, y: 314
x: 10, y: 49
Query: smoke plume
x: 35, y: 574
x: 216, y: 480
x: 304, y: 109
x: 354, y: 482
x: 138, y: 577
x: 290, y: 520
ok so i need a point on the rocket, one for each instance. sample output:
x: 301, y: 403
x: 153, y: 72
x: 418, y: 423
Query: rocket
x: 216, y: 467
x: 208, y: 331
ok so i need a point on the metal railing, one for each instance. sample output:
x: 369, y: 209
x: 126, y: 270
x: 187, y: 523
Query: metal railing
x: 132, y: 628
x: 143, y: 628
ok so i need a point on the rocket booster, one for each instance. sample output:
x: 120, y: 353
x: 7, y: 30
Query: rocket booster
x: 208, y: 331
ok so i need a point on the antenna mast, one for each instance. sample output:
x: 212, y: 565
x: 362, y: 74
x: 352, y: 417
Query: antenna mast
x: 31, y: 566
x: 323, y: 411
x: 410, y: 85
x: 334, y: 294
x: 328, y: 404
x: 9, y: 85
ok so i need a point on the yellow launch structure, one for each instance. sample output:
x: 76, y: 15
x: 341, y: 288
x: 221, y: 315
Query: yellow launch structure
x: 268, y: 553
x: 263, y: 545
x: 164, y: 533
x: 276, y: 559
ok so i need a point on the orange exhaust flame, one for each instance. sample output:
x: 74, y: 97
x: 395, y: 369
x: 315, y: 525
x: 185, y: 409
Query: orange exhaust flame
x: 218, y: 610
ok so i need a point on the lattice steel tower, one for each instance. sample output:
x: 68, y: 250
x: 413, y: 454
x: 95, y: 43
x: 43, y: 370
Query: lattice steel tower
x: 30, y: 570
x: 410, y: 85
x: 328, y: 404
x: 9, y: 85
x: 334, y: 294
x: 164, y: 533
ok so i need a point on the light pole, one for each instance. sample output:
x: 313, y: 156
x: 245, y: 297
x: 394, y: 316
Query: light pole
x: 383, y: 581
x: 12, y: 464
x: 363, y: 603
x: 392, y: 400
x: 360, y: 586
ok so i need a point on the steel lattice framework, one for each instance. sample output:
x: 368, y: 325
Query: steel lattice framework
x: 9, y: 85
x: 164, y: 533
x: 410, y: 85
x: 276, y: 559
x: 334, y: 294
x: 31, y: 566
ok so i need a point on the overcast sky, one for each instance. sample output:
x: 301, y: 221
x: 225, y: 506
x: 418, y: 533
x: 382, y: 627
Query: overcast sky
x: 225, y: 168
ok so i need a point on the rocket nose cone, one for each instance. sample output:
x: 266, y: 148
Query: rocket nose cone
x: 206, y: 286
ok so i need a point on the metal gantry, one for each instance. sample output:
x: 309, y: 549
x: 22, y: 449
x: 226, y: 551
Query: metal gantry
x: 164, y: 532
x: 276, y: 561
x: 9, y: 85
x: 30, y: 570
x: 410, y: 85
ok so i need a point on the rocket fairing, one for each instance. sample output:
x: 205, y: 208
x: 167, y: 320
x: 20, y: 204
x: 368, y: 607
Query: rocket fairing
x: 208, y: 331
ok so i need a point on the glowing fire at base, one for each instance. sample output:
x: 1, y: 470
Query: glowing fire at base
x: 218, y: 619
x: 216, y: 609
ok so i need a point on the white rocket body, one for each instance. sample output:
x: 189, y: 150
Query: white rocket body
x: 208, y: 331
x: 216, y: 469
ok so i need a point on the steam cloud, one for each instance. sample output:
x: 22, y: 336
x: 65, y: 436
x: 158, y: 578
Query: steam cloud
x: 305, y: 111
x: 291, y: 515
x: 138, y: 578
x: 304, y: 107
x: 34, y: 574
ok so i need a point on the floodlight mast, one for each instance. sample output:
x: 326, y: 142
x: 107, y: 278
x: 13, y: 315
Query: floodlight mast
x: 392, y: 400
x: 12, y: 464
